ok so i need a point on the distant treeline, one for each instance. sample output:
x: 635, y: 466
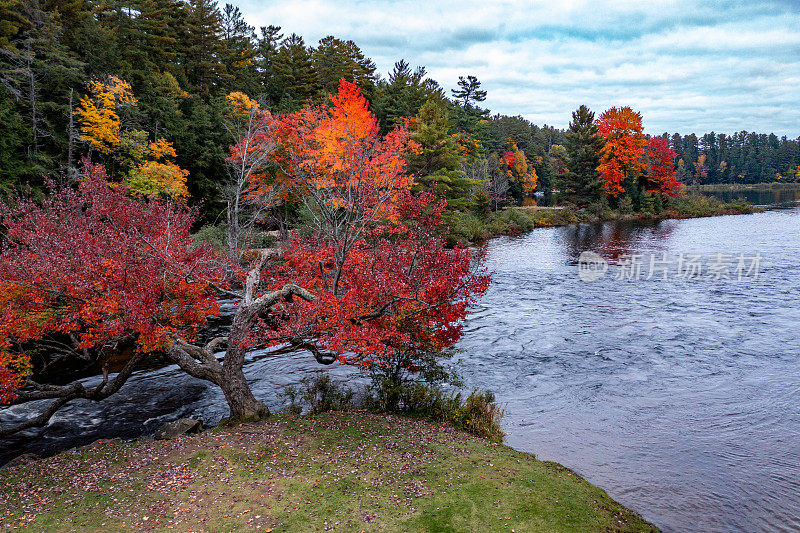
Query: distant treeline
x: 182, y: 59
x: 743, y: 157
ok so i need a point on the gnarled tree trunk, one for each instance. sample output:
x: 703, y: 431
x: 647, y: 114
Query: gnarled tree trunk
x: 229, y: 374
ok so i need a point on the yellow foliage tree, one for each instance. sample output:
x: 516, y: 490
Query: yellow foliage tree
x: 159, y: 176
x: 240, y: 104
x: 98, y: 115
x: 147, y: 166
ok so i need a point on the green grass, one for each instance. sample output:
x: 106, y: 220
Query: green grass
x: 699, y: 205
x: 352, y: 471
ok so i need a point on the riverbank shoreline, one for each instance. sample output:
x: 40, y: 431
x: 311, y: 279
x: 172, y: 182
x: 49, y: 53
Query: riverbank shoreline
x: 744, y: 187
x: 515, y: 221
x: 344, y: 471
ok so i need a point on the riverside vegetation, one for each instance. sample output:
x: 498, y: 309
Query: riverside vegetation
x: 342, y: 471
x: 132, y: 126
x: 478, y: 227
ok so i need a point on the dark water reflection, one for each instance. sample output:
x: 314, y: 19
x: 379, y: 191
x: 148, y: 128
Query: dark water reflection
x: 680, y: 398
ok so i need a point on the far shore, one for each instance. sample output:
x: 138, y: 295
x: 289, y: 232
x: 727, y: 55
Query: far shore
x: 516, y: 220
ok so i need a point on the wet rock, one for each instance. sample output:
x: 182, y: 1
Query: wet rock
x: 179, y: 427
x: 25, y: 458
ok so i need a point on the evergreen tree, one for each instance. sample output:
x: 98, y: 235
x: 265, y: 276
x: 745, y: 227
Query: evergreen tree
x: 267, y: 46
x: 468, y: 94
x: 438, y: 165
x: 469, y: 91
x: 335, y: 59
x: 37, y: 72
x: 158, y: 25
x: 295, y: 74
x: 203, y: 46
x: 14, y: 135
x: 581, y: 183
x: 239, y: 56
x: 403, y: 94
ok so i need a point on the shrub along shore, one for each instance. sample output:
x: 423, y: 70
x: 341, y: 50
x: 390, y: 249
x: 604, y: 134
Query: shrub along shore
x: 470, y: 227
x: 343, y: 471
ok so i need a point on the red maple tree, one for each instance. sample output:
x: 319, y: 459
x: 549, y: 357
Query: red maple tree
x: 371, y: 270
x: 661, y: 175
x: 401, y: 290
x: 90, y: 269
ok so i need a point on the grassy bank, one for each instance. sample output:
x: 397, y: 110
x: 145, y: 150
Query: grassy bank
x: 338, y: 471
x: 515, y: 220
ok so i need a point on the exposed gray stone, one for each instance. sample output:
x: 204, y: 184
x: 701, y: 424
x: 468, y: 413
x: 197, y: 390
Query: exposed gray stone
x: 179, y: 427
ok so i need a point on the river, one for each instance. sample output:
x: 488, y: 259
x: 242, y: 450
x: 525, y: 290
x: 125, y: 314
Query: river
x: 679, y: 396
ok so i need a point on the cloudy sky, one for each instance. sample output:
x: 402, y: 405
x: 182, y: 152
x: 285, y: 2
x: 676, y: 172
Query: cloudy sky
x: 688, y: 66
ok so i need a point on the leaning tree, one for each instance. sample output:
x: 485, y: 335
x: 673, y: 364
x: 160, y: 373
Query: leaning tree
x: 96, y: 270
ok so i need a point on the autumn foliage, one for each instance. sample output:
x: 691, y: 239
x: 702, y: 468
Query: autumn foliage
x: 375, y: 256
x: 158, y: 176
x: 661, y: 175
x: 621, y: 157
x: 514, y: 164
x: 401, y: 289
x: 153, y: 171
x: 98, y: 112
x: 336, y: 155
x: 368, y: 277
x: 101, y: 266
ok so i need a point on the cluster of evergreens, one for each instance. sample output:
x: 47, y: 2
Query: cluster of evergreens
x: 182, y: 58
x: 744, y: 157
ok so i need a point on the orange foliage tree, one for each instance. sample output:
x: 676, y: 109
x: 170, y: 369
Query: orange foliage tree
x: 347, y: 174
x: 514, y: 164
x: 386, y: 288
x: 621, y: 156
x: 380, y: 286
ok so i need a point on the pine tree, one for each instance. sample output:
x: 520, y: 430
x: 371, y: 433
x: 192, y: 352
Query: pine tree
x: 438, y: 165
x: 335, y: 59
x: 157, y: 27
x: 267, y: 46
x: 469, y: 91
x: 203, y: 46
x: 295, y: 73
x: 466, y: 97
x: 37, y: 71
x: 14, y: 135
x: 581, y: 183
x: 239, y: 56
x: 403, y: 94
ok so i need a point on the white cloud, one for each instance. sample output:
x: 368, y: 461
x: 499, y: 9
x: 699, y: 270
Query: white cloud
x: 718, y: 65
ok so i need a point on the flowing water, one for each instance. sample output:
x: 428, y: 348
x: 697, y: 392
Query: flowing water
x: 680, y: 397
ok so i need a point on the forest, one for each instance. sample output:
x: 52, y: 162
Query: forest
x: 186, y: 157
x: 174, y: 63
